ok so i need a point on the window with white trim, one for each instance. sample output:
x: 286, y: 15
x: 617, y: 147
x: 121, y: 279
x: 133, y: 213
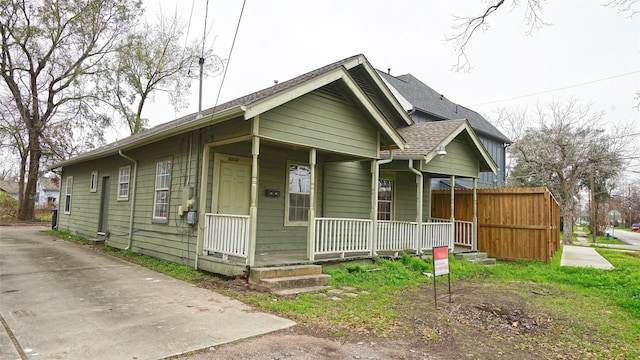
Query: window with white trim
x: 93, y: 186
x: 123, y: 182
x: 385, y: 199
x: 162, y: 191
x: 67, y: 195
x: 298, y: 194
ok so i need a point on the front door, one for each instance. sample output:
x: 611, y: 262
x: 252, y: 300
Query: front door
x: 234, y: 186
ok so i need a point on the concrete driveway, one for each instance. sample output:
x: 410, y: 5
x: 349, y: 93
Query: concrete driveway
x: 61, y: 300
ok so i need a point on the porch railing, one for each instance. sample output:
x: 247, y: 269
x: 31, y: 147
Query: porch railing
x: 463, y: 231
x: 226, y: 235
x: 435, y: 234
x: 340, y: 236
x: 396, y: 235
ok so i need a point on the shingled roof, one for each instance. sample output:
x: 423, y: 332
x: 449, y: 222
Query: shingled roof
x: 234, y: 108
x: 425, y: 99
x: 423, y: 139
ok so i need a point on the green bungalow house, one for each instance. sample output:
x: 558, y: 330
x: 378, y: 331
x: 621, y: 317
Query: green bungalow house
x: 325, y: 166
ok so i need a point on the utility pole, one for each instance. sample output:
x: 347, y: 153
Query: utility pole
x: 592, y: 199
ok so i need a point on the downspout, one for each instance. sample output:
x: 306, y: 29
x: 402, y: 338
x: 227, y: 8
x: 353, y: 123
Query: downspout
x: 374, y: 187
x: 419, y: 200
x: 133, y: 197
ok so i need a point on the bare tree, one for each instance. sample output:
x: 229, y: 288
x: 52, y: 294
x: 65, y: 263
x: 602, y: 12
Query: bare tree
x: 50, y: 52
x: 152, y: 60
x: 465, y: 27
x: 565, y: 143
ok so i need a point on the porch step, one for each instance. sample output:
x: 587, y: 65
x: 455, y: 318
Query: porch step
x: 476, y: 257
x: 286, y: 280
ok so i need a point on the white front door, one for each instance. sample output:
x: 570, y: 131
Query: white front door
x: 234, y: 186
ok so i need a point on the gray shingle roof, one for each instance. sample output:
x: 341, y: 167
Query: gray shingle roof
x: 425, y: 99
x: 423, y: 138
x: 246, y: 100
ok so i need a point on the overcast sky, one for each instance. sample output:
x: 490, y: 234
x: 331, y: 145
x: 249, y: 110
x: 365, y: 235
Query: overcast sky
x: 589, y: 51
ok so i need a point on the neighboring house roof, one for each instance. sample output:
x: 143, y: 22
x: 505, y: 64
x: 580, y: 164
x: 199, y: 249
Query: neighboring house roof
x: 260, y: 101
x: 10, y: 187
x: 425, y: 99
x: 49, y: 184
x: 423, y: 140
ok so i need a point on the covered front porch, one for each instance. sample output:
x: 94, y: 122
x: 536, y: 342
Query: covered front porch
x: 227, y: 240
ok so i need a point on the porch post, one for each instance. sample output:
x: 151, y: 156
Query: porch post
x: 375, y: 174
x: 253, y: 208
x: 202, y: 206
x: 453, y: 218
x: 419, y: 203
x: 311, y: 234
x: 474, y: 238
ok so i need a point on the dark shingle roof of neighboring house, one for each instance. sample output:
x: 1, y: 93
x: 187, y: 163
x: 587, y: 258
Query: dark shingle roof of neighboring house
x: 425, y: 99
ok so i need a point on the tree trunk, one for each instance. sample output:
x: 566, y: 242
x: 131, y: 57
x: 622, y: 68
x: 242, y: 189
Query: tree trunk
x: 26, y: 207
x: 567, y: 228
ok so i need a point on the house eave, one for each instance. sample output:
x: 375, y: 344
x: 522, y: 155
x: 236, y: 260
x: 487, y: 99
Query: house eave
x: 113, y: 149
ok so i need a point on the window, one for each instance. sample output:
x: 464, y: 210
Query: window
x: 298, y: 193
x: 385, y: 199
x: 161, y: 197
x: 67, y: 196
x: 123, y: 183
x: 93, y: 186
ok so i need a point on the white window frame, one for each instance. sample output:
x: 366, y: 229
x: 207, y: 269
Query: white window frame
x: 390, y: 202
x: 68, y: 194
x: 93, y: 185
x: 287, y: 220
x: 162, y: 185
x: 122, y: 194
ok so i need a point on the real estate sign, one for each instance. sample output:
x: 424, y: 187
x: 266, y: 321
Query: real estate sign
x: 440, y: 261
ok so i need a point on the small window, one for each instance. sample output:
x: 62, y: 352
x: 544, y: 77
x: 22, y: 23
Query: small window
x: 162, y: 189
x: 123, y: 182
x: 385, y: 199
x: 93, y: 186
x: 67, y: 196
x: 298, y: 196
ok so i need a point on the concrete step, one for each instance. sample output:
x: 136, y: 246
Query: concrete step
x: 257, y: 274
x: 487, y: 261
x: 295, y: 282
x: 288, y: 280
x: 95, y: 241
x: 470, y: 256
x: 476, y: 257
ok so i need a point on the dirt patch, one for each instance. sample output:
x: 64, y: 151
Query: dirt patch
x: 483, y: 321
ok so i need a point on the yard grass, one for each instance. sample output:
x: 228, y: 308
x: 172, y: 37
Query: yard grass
x: 596, y: 312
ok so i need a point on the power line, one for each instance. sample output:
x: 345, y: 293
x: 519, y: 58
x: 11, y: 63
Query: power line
x: 557, y: 89
x: 233, y: 43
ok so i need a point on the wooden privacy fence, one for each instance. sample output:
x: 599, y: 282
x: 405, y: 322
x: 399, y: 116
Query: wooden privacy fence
x: 513, y: 224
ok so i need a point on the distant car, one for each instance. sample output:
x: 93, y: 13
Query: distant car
x: 635, y: 227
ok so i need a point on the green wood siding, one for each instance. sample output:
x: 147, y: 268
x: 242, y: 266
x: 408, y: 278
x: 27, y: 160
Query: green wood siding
x: 322, y: 121
x: 348, y: 190
x: 174, y: 240
x: 272, y: 234
x: 459, y: 161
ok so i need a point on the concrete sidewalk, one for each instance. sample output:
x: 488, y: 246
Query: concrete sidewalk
x: 579, y: 256
x: 66, y: 301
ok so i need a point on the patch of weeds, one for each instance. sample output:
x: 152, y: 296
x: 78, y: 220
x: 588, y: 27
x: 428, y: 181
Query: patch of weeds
x: 66, y: 236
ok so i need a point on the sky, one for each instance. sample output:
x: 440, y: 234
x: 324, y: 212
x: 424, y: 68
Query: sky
x: 588, y: 51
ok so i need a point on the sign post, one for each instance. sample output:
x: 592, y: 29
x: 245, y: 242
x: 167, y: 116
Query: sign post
x: 440, y: 267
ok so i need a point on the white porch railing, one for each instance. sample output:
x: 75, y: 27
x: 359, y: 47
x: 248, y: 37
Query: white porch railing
x: 435, y: 234
x: 396, y: 235
x: 463, y: 235
x: 340, y: 236
x: 226, y: 235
